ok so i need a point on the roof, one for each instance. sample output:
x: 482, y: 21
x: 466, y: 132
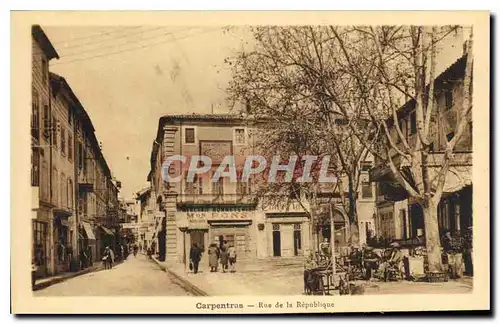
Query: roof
x: 455, y: 71
x: 42, y: 39
x: 201, y: 117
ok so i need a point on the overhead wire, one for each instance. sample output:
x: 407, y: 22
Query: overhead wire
x: 121, y: 44
x: 137, y: 48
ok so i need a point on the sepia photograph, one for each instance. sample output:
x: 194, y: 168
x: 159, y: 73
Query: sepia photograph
x: 230, y: 162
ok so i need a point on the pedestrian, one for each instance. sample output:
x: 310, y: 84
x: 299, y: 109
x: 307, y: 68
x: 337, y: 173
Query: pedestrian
x: 34, y: 269
x: 122, y: 253
x: 213, y: 257
x: 231, y: 251
x: 224, y: 256
x: 106, y: 257
x: 371, y: 261
x: 195, y: 257
x: 83, y: 259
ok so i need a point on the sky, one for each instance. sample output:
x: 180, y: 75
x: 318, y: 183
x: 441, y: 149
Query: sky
x: 127, y: 77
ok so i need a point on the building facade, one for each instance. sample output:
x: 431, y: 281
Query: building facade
x: 206, y: 212
x: 401, y: 218
x: 41, y: 132
x: 73, y: 195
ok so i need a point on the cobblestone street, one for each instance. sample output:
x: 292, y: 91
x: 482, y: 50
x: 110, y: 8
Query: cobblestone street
x: 134, y: 277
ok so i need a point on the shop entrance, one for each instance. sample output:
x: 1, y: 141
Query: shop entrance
x: 198, y: 237
x: 276, y: 240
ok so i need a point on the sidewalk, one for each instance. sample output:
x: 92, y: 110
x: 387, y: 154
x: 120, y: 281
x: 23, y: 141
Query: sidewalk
x: 285, y: 277
x: 52, y: 280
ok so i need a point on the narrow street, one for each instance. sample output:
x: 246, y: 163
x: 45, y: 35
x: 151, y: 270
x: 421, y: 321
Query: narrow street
x: 134, y: 277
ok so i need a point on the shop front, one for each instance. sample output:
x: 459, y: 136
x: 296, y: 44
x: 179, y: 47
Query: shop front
x: 87, y: 244
x: 216, y: 225
x: 287, y: 234
x: 63, y: 249
x: 107, y: 238
x: 323, y: 228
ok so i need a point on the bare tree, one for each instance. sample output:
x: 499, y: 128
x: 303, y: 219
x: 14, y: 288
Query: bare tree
x: 281, y: 81
x: 395, y: 62
x: 358, y: 75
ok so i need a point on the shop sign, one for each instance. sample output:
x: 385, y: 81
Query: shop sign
x: 208, y: 216
x: 216, y: 150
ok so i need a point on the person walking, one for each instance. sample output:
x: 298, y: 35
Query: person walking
x: 213, y: 257
x: 195, y: 257
x: 231, y: 251
x: 106, y: 257
x: 224, y: 258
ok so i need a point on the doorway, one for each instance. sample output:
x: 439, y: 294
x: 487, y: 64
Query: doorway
x: 297, y: 239
x: 276, y: 240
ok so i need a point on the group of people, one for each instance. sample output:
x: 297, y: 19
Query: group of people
x: 225, y: 254
x: 366, y: 260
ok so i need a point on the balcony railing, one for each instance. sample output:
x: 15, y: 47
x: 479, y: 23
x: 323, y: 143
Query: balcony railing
x: 434, y: 160
x: 203, y: 199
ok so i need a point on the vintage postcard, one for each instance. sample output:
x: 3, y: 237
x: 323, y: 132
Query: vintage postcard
x: 250, y: 162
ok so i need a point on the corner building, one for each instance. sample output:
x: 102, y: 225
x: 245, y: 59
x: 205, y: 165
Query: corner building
x: 204, y: 212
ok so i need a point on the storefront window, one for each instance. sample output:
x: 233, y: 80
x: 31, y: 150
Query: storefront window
x: 39, y: 243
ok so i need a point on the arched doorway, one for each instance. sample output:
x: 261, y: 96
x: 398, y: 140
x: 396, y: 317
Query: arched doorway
x: 323, y: 228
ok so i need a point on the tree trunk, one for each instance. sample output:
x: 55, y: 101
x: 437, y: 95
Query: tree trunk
x: 432, y: 239
x: 353, y: 215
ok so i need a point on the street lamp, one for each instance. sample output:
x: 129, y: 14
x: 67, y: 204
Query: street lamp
x: 183, y: 230
x: 332, y: 240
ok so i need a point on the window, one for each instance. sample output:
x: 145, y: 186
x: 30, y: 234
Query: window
x: 70, y: 193
x: 46, y: 121
x: 450, y: 136
x: 55, y: 126
x: 70, y: 147
x: 40, y: 243
x: 35, y: 167
x: 35, y: 114
x: 70, y: 115
x: 79, y: 152
x: 218, y: 187
x: 45, y: 69
x: 366, y: 166
x: 63, y: 141
x: 366, y: 190
x: 191, y: 187
x: 413, y: 123
x: 189, y: 135
x: 55, y: 182
x: 448, y: 99
x: 240, y: 137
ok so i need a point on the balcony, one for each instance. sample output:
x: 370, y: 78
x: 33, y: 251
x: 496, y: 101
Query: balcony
x: 434, y: 160
x: 210, y: 199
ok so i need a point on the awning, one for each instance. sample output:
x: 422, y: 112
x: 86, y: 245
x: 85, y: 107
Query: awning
x: 107, y: 231
x: 230, y: 224
x: 88, y: 231
x: 198, y: 226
